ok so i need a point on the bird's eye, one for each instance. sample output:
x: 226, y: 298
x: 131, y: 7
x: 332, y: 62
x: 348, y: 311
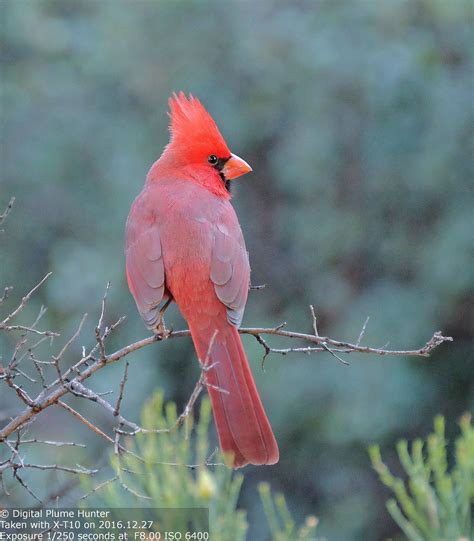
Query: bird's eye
x: 212, y: 159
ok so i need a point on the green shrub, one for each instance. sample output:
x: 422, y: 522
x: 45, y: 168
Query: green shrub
x: 282, y: 526
x: 436, y: 503
x: 176, y: 469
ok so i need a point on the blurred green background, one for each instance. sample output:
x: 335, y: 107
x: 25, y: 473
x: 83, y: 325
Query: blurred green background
x: 356, y: 117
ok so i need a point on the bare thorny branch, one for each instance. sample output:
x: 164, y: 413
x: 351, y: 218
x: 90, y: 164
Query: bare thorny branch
x: 70, y: 380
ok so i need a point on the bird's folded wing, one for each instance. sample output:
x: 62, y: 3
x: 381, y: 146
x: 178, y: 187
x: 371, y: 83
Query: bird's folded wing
x: 230, y: 270
x: 145, y: 270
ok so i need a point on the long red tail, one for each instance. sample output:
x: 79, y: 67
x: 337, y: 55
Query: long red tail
x: 245, y: 434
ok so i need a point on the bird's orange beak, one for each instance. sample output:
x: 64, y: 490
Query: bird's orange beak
x: 235, y: 167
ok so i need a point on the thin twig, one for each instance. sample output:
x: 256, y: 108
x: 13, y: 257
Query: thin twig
x: 6, y: 292
x: 71, y: 340
x: 121, y: 388
x: 23, y: 302
x: 54, y: 443
x: 6, y: 212
x: 81, y: 418
x: 78, y: 470
x: 98, y: 487
x: 27, y: 329
x: 362, y: 332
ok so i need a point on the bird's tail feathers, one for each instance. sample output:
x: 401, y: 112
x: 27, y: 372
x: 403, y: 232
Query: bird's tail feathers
x: 244, y: 431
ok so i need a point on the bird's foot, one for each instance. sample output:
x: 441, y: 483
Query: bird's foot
x: 160, y: 330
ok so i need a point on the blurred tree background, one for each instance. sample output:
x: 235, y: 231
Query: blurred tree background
x: 356, y: 117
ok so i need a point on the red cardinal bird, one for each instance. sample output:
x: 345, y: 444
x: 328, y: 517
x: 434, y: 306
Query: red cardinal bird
x: 184, y: 243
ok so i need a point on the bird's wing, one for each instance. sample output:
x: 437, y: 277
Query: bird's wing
x: 230, y: 269
x: 145, y: 269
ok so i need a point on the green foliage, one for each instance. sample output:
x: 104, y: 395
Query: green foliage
x: 437, y: 505
x: 171, y: 468
x: 282, y: 526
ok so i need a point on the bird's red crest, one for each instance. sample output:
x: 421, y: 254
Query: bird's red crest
x: 194, y: 134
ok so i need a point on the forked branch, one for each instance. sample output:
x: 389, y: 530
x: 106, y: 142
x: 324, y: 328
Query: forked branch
x: 70, y: 379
